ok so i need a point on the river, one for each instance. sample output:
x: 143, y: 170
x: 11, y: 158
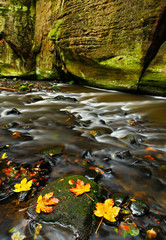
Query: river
x: 122, y: 134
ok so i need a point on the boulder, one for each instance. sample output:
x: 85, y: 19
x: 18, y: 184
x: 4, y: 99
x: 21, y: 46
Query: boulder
x: 74, y: 213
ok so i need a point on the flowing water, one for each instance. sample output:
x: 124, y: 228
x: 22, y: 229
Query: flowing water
x: 122, y: 134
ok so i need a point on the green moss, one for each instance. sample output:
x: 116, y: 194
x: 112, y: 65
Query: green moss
x: 54, y: 34
x: 73, y: 212
x: 55, y: 150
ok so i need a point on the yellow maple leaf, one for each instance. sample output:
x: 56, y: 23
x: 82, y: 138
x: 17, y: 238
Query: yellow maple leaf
x: 24, y: 185
x: 43, y: 202
x: 80, y: 188
x: 107, y: 210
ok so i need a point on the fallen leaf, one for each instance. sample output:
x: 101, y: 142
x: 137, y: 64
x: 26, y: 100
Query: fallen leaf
x: 43, y: 202
x: 4, y: 156
x: 37, y: 230
x: 24, y: 185
x: 71, y: 182
x: 17, y: 236
x: 151, y: 234
x: 107, y: 210
x: 80, y: 188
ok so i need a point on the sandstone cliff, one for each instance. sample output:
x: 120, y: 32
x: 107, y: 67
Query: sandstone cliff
x: 107, y: 43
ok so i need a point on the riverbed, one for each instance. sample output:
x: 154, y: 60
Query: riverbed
x: 121, y: 135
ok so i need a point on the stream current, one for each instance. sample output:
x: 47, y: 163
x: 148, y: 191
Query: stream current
x: 122, y: 134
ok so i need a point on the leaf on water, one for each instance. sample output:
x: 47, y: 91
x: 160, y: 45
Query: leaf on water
x: 16, y: 134
x: 14, y: 229
x: 151, y: 234
x: 93, y: 133
x: 132, y: 200
x: 4, y: 156
x: 126, y: 228
x: 17, y: 236
x: 80, y: 188
x: 37, y: 230
x: 107, y: 210
x: 43, y: 202
x: 24, y: 185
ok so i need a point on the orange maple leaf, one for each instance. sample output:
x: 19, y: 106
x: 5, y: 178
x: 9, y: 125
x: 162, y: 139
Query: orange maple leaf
x: 43, y: 202
x: 80, y: 188
x: 151, y: 234
x: 107, y: 210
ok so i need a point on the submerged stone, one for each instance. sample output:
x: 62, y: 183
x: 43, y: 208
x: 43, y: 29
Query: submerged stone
x: 74, y: 213
x: 139, y: 208
x: 119, y: 198
x: 14, y: 111
x: 62, y: 98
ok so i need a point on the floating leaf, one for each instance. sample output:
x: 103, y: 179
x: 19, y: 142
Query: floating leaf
x: 126, y: 228
x: 17, y: 236
x: 24, y: 185
x: 151, y: 234
x: 4, y: 156
x: 107, y: 210
x: 80, y: 188
x: 37, y: 230
x: 16, y: 134
x: 43, y: 202
x: 93, y: 133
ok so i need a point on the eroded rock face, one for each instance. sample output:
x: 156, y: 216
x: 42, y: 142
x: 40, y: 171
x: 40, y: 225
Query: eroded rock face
x: 106, y: 43
x: 17, y: 18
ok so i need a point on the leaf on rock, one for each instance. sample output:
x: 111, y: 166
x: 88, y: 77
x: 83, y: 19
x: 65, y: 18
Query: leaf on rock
x: 107, y: 210
x: 71, y: 182
x: 43, y: 202
x: 80, y: 188
x: 24, y: 185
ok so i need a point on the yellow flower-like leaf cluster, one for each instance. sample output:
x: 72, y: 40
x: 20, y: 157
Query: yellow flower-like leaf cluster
x: 24, y: 185
x: 80, y: 188
x: 107, y: 210
x: 43, y: 202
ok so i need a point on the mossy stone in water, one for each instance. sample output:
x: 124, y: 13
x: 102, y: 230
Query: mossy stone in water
x: 75, y: 213
x: 138, y: 208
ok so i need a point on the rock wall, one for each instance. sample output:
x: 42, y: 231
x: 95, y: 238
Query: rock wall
x: 17, y: 21
x: 107, y: 43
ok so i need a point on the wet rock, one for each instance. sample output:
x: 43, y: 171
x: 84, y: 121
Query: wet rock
x: 145, y: 171
x: 93, y: 175
x: 23, y: 196
x: 130, y: 139
x: 54, y: 151
x: 119, y: 198
x: 36, y: 98
x: 62, y: 98
x: 4, y: 147
x: 138, y: 208
x: 5, y: 195
x: 123, y: 154
x: 74, y: 213
x: 14, y: 111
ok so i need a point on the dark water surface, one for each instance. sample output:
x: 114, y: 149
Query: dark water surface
x: 124, y: 134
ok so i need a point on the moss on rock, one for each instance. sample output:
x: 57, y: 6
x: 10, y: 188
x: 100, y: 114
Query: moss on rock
x: 75, y: 213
